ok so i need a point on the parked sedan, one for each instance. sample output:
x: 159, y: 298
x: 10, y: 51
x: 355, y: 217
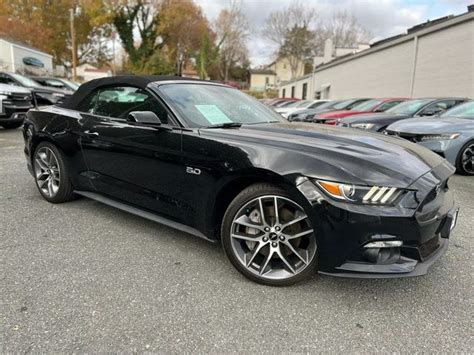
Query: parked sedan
x: 56, y: 83
x: 287, y: 110
x: 451, y: 135
x: 369, y: 106
x: 283, y: 198
x: 411, y: 108
x: 42, y: 95
x: 308, y: 115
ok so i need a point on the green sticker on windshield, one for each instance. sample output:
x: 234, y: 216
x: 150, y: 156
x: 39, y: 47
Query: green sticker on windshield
x: 213, y: 114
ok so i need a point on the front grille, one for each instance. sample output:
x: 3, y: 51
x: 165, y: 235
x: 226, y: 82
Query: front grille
x: 17, y: 99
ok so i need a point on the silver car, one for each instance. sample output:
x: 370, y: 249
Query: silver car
x: 451, y: 135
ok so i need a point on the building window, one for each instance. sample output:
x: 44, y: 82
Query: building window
x: 292, y: 92
x: 317, y: 95
x: 283, y: 93
x: 267, y: 80
x: 305, y: 91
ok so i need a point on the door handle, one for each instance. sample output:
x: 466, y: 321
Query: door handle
x: 91, y: 134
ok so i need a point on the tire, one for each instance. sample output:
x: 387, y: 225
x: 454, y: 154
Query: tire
x: 49, y: 163
x: 11, y: 125
x: 269, y: 250
x: 465, y: 152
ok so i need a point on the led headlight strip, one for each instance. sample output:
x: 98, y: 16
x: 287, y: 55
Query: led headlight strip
x: 381, y: 195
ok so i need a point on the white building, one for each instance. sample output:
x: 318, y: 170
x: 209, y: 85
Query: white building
x: 17, y: 57
x: 435, y: 58
x: 86, y: 72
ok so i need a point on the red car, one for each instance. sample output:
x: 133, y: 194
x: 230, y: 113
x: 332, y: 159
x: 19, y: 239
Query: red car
x: 373, y: 105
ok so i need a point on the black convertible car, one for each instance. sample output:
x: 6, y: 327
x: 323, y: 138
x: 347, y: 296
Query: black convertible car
x: 284, y: 198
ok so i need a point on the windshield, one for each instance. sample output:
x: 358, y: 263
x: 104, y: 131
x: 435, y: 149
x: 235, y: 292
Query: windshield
x: 302, y: 103
x: 408, y: 107
x: 71, y: 84
x: 367, y: 105
x: 203, y: 105
x: 465, y: 110
x: 342, y: 104
x: 26, y: 81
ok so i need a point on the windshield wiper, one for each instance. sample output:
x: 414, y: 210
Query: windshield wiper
x: 226, y: 125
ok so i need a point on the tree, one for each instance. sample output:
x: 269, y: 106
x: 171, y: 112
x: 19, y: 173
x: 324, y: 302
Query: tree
x: 141, y: 17
x: 298, y: 48
x: 344, y: 30
x: 280, y: 22
x: 292, y: 31
x: 182, y: 28
x: 231, y: 28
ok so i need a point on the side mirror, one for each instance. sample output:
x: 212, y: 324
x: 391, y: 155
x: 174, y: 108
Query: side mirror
x: 144, y: 117
x: 432, y: 112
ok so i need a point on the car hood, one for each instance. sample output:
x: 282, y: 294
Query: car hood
x: 14, y: 89
x: 374, y: 117
x: 329, y: 152
x: 431, y: 125
x: 48, y: 90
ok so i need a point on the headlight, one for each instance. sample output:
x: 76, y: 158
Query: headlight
x: 379, y: 195
x: 363, y: 125
x: 439, y: 137
x: 5, y: 93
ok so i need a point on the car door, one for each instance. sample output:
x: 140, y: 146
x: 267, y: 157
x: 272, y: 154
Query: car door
x: 140, y: 165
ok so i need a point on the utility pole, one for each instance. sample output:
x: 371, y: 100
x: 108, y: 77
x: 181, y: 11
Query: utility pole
x: 113, y: 53
x: 73, y: 44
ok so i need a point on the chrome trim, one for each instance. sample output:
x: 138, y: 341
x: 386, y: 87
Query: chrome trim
x: 384, y: 244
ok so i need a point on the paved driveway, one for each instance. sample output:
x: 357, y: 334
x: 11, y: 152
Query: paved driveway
x: 85, y: 277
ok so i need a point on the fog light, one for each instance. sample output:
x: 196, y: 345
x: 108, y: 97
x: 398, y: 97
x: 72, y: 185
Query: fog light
x: 384, y: 244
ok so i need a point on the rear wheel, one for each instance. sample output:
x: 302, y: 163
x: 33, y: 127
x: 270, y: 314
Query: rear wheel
x: 268, y: 236
x: 51, y: 174
x: 465, y: 160
x: 11, y: 125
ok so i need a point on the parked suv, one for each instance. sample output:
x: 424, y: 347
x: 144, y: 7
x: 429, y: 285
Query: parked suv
x: 42, y: 95
x: 14, y: 103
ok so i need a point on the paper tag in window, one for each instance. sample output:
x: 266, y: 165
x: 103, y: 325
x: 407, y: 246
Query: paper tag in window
x: 213, y: 114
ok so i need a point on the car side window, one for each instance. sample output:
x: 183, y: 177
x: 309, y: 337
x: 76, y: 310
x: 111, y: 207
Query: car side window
x: 385, y: 106
x: 437, y: 107
x: 119, y: 101
x: 88, y: 104
x: 6, y: 80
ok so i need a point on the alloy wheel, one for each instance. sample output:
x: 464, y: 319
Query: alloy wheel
x: 272, y: 237
x: 467, y: 159
x: 47, y: 171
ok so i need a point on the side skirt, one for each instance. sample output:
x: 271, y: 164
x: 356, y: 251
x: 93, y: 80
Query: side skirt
x: 144, y: 214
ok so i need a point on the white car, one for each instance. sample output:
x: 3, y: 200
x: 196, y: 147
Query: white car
x: 294, y: 106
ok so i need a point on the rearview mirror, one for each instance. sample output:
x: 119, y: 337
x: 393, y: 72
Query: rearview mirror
x: 144, y: 117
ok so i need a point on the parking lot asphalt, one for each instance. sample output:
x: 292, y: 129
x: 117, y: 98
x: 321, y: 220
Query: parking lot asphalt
x: 84, y: 277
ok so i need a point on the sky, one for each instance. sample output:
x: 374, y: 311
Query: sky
x: 383, y: 18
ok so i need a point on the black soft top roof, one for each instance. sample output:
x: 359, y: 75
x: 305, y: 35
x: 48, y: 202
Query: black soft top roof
x: 141, y: 81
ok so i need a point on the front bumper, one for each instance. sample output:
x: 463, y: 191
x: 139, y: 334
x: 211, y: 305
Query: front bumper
x: 385, y: 242
x: 404, y: 266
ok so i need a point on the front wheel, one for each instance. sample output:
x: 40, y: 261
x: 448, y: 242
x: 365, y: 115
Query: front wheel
x: 465, y: 160
x: 51, y: 174
x: 268, y: 236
